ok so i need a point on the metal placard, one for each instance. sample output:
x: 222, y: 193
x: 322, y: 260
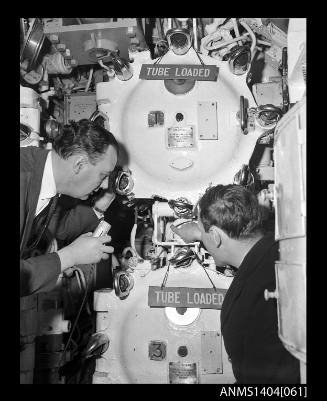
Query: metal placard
x: 157, y: 350
x: 182, y: 373
x: 179, y: 71
x: 184, y: 297
x: 211, y: 357
x: 269, y: 93
x: 181, y: 137
x: 78, y: 106
x: 207, y: 120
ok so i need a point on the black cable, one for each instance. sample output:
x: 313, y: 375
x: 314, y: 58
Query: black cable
x: 76, y: 319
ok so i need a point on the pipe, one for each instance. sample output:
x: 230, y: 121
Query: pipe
x: 253, y: 37
x: 110, y: 71
x: 263, y: 42
x: 220, y: 45
x: 169, y: 23
x: 103, y: 66
x: 22, y: 28
x: 89, y: 80
x: 133, y: 234
x: 237, y: 32
x: 195, y: 34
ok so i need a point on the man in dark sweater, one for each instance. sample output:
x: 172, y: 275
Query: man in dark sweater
x: 80, y: 163
x: 230, y: 227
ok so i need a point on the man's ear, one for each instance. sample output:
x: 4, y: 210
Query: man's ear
x: 79, y: 163
x: 215, y: 235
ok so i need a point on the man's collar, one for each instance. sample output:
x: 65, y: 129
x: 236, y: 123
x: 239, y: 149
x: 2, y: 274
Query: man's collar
x: 48, y: 186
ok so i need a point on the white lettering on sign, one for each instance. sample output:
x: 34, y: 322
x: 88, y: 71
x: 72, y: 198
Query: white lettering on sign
x: 158, y: 71
x: 192, y: 72
x: 170, y: 297
x: 205, y: 299
x: 179, y: 71
x: 186, y: 297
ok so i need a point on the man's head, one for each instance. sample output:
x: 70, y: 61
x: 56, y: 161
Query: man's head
x: 85, y: 155
x: 229, y: 216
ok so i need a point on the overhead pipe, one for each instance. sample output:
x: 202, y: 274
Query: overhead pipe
x: 195, y: 34
x: 253, y: 37
x: 237, y: 33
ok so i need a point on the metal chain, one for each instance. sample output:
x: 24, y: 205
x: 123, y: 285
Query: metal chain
x: 160, y: 58
x: 163, y: 284
x: 197, y: 53
x: 200, y: 262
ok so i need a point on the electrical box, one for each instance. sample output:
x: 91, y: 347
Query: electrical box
x: 78, y: 106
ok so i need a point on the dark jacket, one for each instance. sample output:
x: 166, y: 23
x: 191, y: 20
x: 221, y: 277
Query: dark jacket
x: 39, y: 274
x: 249, y: 322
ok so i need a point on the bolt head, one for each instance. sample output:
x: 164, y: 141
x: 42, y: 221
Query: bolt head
x: 54, y: 38
x: 130, y: 32
x: 61, y: 47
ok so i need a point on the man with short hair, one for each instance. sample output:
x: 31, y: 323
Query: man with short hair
x: 230, y: 227
x: 83, y: 156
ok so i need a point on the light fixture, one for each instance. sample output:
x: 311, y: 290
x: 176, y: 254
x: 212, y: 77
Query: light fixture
x: 239, y: 60
x: 179, y: 40
x: 182, y: 316
x: 122, y: 68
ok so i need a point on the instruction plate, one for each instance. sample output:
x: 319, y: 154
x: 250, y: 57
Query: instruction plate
x: 181, y: 137
x: 182, y: 373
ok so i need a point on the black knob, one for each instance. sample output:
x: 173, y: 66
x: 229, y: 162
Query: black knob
x: 179, y: 117
x: 182, y: 351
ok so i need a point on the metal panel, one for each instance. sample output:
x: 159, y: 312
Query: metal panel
x: 269, y: 93
x: 211, y: 358
x: 291, y: 301
x: 75, y: 37
x: 290, y: 179
x: 182, y: 373
x: 180, y: 137
x: 207, y: 120
x: 157, y: 350
x: 79, y: 106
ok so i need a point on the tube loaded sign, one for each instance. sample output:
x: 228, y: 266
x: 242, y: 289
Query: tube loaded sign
x: 179, y: 71
x: 203, y: 298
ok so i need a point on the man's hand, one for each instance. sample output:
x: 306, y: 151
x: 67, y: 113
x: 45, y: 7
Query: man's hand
x: 189, y: 232
x: 85, y: 249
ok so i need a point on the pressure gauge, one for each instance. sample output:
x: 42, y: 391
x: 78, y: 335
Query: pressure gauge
x: 33, y: 77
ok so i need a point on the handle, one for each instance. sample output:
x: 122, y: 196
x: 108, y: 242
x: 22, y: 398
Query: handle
x: 269, y: 108
x: 243, y: 116
x: 270, y: 294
